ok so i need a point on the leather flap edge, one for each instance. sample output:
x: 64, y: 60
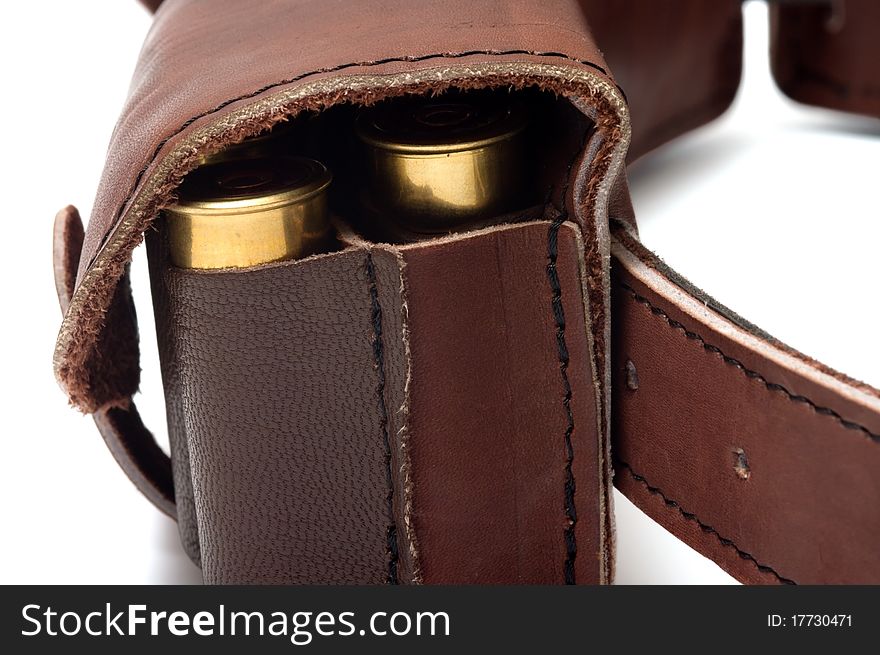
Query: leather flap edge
x: 94, y: 339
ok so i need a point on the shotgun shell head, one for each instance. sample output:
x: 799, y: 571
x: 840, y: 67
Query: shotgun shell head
x: 432, y: 165
x: 235, y: 214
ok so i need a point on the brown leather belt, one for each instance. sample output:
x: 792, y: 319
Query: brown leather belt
x: 463, y: 422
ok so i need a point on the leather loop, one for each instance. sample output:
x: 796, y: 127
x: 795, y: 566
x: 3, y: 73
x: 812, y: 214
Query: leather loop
x: 135, y: 450
x: 131, y: 443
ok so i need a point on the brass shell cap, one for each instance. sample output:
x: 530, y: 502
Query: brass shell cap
x: 433, y: 165
x: 249, y: 212
x: 440, y: 125
x: 234, y: 187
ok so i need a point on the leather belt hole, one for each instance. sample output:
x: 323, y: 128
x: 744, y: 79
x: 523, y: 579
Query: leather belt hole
x: 741, y: 464
x: 632, y: 376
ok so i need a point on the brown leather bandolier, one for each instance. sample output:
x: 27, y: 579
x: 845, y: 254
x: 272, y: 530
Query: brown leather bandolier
x: 453, y: 409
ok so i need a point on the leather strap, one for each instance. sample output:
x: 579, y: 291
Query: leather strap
x: 133, y: 446
x: 758, y: 457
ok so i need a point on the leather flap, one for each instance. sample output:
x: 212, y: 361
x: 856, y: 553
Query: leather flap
x: 208, y: 77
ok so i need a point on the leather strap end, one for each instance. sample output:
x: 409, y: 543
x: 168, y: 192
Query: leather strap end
x: 132, y: 445
x: 67, y: 241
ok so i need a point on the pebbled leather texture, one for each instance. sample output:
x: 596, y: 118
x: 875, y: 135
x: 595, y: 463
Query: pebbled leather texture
x: 764, y: 448
x: 172, y: 382
x: 285, y: 442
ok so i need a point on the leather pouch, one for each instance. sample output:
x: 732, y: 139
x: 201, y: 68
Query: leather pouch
x: 366, y: 415
x: 443, y: 411
x: 369, y: 415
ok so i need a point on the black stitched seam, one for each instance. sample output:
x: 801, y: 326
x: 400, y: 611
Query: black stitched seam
x: 570, y: 486
x: 708, y: 529
x: 562, y: 348
x: 379, y: 363
x: 334, y: 69
x: 749, y: 373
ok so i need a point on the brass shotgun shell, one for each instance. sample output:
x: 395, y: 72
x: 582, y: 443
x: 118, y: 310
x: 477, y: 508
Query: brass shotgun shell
x: 248, y: 212
x: 436, y: 164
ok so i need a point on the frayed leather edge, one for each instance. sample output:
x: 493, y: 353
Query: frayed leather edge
x: 84, y: 321
x: 632, y: 253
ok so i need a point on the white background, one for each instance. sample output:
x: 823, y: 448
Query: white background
x: 773, y: 209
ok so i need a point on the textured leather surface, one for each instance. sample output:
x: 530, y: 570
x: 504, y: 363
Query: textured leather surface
x: 754, y: 455
x: 285, y: 441
x: 172, y: 382
x: 826, y: 53
x: 129, y: 441
x: 767, y: 463
x: 368, y: 416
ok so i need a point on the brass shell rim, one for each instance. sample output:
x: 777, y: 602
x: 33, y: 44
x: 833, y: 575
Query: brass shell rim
x: 508, y: 127
x: 257, y: 203
x: 439, y: 148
